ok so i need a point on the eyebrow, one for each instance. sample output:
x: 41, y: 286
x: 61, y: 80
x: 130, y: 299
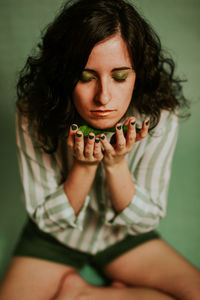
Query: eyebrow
x: 121, y: 69
x: 113, y: 70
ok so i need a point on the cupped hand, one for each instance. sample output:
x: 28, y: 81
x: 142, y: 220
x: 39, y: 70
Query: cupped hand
x: 115, y: 153
x: 85, y: 150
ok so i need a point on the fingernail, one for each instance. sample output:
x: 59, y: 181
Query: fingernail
x: 119, y: 127
x: 91, y: 137
x: 97, y: 141
x: 102, y: 137
x: 74, y: 127
x: 78, y: 134
x: 147, y: 123
x: 133, y: 123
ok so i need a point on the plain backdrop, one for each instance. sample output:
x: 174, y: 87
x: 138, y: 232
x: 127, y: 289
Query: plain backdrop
x: 178, y: 24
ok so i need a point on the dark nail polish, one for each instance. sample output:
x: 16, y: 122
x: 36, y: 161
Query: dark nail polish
x: 119, y: 127
x: 78, y: 134
x: 102, y: 137
x: 74, y: 127
x: 97, y: 141
x: 91, y: 137
x: 147, y: 123
x: 133, y: 123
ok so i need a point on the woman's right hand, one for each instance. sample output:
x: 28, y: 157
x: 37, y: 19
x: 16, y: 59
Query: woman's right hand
x: 87, y: 154
x: 84, y: 150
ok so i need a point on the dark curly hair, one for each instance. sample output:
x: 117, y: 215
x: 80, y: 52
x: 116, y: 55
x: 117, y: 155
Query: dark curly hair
x: 47, y: 81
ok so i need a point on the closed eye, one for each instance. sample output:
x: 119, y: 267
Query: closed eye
x: 120, y: 76
x: 87, y: 76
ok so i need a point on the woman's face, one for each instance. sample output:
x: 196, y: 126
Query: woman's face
x: 104, y: 91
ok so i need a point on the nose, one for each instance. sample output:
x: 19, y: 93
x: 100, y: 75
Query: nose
x: 103, y: 94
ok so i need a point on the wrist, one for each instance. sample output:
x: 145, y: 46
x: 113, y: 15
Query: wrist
x: 115, y: 166
x: 85, y: 165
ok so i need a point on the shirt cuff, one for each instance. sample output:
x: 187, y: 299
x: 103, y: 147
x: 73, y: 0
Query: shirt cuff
x: 141, y: 211
x: 60, y: 212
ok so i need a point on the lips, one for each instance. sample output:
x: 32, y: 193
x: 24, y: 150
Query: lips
x: 102, y: 110
x: 102, y: 113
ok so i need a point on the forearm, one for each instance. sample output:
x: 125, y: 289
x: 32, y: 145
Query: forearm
x: 120, y: 184
x: 119, y: 178
x: 78, y: 183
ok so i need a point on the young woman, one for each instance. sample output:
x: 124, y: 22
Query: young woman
x: 97, y: 199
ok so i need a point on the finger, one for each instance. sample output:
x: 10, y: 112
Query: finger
x: 97, y: 149
x: 128, y: 120
x: 70, y: 139
x: 88, y: 151
x: 131, y: 133
x: 79, y: 145
x: 120, y: 139
x: 143, y: 131
x: 108, y: 148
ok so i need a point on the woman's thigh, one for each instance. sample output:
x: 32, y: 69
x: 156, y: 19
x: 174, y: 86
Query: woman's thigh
x: 156, y: 265
x: 31, y: 278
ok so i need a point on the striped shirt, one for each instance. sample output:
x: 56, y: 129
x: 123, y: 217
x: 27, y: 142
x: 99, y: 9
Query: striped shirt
x: 97, y: 225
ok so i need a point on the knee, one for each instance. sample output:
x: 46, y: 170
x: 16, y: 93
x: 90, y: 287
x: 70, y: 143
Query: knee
x: 62, y: 286
x: 189, y: 287
x: 195, y: 290
x: 72, y: 286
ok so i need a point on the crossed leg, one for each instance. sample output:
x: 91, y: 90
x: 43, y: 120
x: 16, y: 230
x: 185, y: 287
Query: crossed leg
x: 153, y: 270
x: 156, y: 265
x: 31, y: 278
x: 75, y: 288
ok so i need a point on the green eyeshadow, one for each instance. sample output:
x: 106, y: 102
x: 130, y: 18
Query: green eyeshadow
x: 86, y: 76
x: 120, y: 76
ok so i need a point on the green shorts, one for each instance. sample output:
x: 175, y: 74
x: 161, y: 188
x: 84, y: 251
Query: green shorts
x: 35, y: 243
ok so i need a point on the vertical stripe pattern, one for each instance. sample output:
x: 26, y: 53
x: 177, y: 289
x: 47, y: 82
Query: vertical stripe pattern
x: 97, y: 226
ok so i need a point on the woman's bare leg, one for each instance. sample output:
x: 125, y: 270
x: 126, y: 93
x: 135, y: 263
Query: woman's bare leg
x: 75, y: 288
x: 156, y: 265
x: 153, y: 270
x: 30, y: 279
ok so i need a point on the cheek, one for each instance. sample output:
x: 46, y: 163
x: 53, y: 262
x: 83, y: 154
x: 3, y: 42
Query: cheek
x: 82, y: 95
x: 78, y: 97
x: 130, y: 88
x: 127, y: 91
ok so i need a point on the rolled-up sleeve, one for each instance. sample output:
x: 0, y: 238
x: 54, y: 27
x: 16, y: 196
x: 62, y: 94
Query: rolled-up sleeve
x: 151, y: 175
x: 45, y: 199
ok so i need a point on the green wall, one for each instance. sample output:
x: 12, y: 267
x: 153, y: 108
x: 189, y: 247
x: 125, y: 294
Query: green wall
x: 178, y: 24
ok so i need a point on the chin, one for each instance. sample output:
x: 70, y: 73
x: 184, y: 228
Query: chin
x: 102, y: 124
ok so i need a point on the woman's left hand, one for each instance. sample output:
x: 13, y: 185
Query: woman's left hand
x: 115, y: 153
